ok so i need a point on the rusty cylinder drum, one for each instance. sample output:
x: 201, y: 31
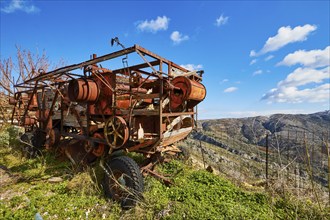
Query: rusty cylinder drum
x: 186, y: 90
x: 83, y: 90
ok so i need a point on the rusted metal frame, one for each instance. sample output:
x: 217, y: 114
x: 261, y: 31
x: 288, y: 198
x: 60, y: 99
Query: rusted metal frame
x: 71, y: 75
x: 29, y: 102
x: 62, y: 115
x: 147, y: 62
x: 88, y: 121
x: 139, y: 66
x: 85, y: 63
x: 141, y: 112
x: 52, y: 106
x: 104, y: 81
x: 160, y: 107
x: 146, y: 96
x: 84, y: 137
x: 151, y: 54
x: 178, y: 113
x: 17, y: 97
x: 76, y: 114
x: 141, y: 145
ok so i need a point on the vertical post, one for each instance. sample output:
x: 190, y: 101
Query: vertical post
x: 200, y: 145
x: 267, y: 158
x: 160, y: 106
x: 328, y: 152
x: 288, y: 156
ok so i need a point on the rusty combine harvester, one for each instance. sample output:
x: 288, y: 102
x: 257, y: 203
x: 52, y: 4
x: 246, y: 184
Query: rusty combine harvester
x: 91, y: 112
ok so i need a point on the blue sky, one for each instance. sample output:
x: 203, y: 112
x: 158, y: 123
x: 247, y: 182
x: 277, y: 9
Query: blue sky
x: 259, y: 57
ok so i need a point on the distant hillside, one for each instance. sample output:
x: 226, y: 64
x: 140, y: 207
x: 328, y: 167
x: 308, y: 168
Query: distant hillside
x: 254, y: 129
x: 297, y: 146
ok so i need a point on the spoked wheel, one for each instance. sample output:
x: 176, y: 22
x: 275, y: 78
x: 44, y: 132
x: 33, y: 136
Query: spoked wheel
x: 116, y: 132
x: 123, y: 181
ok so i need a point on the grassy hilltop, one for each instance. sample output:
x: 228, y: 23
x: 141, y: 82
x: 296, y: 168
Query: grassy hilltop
x: 28, y: 187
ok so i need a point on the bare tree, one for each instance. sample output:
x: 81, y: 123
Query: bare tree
x: 23, y: 66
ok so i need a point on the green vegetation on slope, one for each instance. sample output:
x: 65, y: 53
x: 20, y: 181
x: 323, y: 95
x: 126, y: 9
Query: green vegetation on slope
x: 196, y: 194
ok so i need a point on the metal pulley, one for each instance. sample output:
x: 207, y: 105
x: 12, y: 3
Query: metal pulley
x: 116, y: 132
x: 186, y: 90
x: 83, y: 90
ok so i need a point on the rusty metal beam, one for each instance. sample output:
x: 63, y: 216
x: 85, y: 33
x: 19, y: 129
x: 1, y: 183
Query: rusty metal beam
x: 62, y: 70
x: 139, y: 66
x: 153, y: 55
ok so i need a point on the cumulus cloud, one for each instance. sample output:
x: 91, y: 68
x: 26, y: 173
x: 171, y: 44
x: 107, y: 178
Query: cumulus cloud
x: 304, y: 76
x: 294, y: 95
x: 257, y: 72
x: 177, y: 37
x: 161, y: 23
x: 312, y: 58
x: 192, y: 67
x: 284, y: 36
x: 222, y: 20
x: 288, y: 89
x: 307, y: 83
x: 19, y: 5
x: 230, y: 89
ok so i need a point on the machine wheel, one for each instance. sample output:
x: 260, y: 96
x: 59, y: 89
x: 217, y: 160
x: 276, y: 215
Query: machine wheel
x: 116, y: 132
x: 28, y: 150
x: 123, y: 181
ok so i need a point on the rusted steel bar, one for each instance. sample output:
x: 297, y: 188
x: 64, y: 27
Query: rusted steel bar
x: 178, y: 113
x: 139, y: 66
x: 63, y: 70
x: 151, y: 54
x: 29, y: 102
x: 51, y: 108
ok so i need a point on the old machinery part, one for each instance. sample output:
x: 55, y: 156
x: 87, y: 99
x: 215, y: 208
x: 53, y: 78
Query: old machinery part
x: 98, y: 148
x: 116, y: 132
x: 83, y: 90
x: 54, y: 137
x: 123, y: 181
x: 186, y: 90
x: 75, y: 150
x: 29, y: 121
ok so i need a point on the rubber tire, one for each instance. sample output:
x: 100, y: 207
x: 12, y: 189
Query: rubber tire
x: 133, y: 180
x: 27, y: 151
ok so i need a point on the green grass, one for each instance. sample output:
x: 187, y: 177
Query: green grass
x: 195, y: 194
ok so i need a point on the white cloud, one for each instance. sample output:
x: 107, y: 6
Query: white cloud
x: 253, y: 61
x: 269, y: 57
x: 312, y: 58
x: 288, y: 90
x: 304, y: 76
x: 294, y: 95
x: 243, y: 114
x: 192, y: 67
x: 285, y: 35
x: 19, y: 5
x: 177, y: 37
x: 230, y: 89
x: 257, y: 72
x: 253, y: 53
x: 161, y: 23
x: 222, y: 20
